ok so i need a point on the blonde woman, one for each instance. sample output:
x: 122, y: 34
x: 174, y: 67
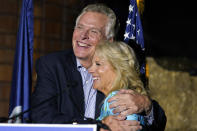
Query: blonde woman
x: 114, y: 67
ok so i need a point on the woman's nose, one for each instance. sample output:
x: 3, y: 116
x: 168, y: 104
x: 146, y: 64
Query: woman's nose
x: 91, y: 69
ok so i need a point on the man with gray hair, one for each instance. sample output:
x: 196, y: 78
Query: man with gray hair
x: 65, y: 75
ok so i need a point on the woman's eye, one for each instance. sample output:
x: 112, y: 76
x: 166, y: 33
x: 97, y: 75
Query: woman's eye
x: 98, y: 64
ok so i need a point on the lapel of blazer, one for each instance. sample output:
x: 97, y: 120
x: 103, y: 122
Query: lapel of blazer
x: 99, y: 102
x: 74, y: 80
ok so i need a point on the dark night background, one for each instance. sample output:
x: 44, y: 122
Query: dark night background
x: 169, y: 32
x: 169, y: 26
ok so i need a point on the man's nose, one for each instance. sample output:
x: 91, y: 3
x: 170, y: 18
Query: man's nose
x: 85, y: 34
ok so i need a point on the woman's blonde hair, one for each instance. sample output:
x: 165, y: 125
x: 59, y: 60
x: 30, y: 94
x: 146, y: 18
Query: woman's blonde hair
x: 123, y: 60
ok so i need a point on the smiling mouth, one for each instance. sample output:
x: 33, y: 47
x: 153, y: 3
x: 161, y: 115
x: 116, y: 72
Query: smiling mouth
x: 95, y: 78
x: 82, y: 45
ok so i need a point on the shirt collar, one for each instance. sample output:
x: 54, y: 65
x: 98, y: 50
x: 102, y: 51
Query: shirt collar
x: 78, y: 64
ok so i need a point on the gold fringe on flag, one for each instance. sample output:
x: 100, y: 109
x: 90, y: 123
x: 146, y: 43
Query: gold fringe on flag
x: 140, y: 5
x: 147, y: 70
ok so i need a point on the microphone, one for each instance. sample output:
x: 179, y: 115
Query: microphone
x: 98, y: 123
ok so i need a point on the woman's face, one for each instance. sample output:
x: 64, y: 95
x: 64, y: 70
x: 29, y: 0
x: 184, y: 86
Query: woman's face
x: 103, y: 74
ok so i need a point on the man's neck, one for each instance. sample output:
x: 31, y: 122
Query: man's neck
x: 85, y: 63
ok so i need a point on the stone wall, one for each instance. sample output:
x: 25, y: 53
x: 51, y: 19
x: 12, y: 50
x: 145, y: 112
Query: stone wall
x: 173, y: 85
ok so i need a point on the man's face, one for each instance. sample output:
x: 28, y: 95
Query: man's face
x: 89, y: 31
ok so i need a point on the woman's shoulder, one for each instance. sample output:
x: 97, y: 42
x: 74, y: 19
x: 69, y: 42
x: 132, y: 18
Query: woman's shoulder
x: 113, y: 93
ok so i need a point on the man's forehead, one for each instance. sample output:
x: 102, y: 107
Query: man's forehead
x: 96, y: 14
x: 93, y: 19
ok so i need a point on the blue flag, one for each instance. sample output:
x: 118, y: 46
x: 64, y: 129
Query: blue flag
x: 22, y: 70
x: 134, y: 29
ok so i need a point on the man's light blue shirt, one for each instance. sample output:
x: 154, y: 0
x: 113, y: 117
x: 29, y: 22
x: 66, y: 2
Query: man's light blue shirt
x: 89, y: 91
